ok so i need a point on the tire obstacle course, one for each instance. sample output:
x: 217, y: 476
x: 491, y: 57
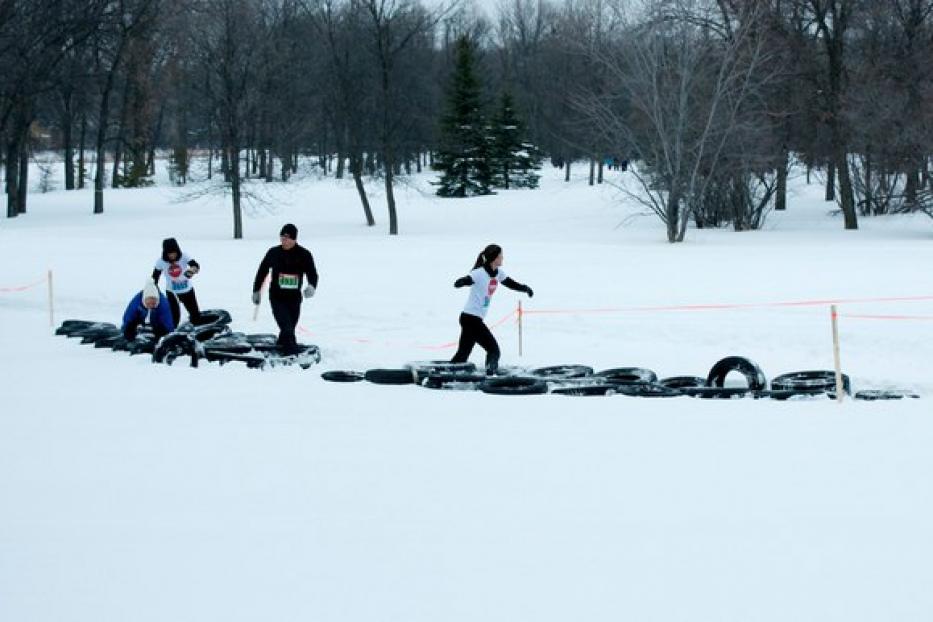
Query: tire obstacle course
x: 210, y: 340
x: 584, y: 381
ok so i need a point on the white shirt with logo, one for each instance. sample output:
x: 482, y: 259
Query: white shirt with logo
x: 174, y: 271
x: 484, y: 286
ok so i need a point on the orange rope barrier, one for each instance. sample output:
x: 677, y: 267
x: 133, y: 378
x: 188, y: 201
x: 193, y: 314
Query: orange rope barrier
x: 22, y: 288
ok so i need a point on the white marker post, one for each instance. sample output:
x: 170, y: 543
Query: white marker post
x: 519, y: 327
x: 51, y: 302
x: 840, y: 391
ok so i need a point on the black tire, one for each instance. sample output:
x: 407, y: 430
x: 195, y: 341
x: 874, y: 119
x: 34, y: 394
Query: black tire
x: 682, y: 382
x: 647, y: 389
x: 95, y: 329
x: 813, y: 381
x: 120, y: 344
x: 628, y: 375
x: 453, y: 381
x: 872, y: 395
x: 343, y: 376
x: 171, y: 347
x: 390, y: 376
x: 586, y: 390
x: 109, y: 342
x: 99, y: 335
x: 557, y: 372
x: 215, y: 316
x: 263, y: 342
x: 309, y: 355
x: 717, y: 393
x: 427, y: 368
x: 753, y: 375
x: 513, y: 385
x: 71, y: 326
x: 144, y: 344
x: 253, y: 360
x: 232, y: 343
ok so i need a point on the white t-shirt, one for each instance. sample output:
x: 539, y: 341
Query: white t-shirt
x: 175, y: 279
x: 484, y: 286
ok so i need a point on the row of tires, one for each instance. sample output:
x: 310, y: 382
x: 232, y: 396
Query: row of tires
x: 581, y: 380
x: 210, y: 340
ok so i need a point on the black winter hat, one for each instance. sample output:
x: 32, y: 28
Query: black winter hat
x: 290, y: 230
x: 170, y: 245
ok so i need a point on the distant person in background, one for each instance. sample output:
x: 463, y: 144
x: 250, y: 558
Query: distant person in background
x: 179, y: 268
x: 483, y: 281
x: 150, y: 307
x: 290, y: 263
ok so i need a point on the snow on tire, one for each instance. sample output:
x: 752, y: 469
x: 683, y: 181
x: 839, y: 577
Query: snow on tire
x: 753, y: 375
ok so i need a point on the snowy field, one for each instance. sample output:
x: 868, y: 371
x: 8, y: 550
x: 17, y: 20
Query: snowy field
x: 131, y: 492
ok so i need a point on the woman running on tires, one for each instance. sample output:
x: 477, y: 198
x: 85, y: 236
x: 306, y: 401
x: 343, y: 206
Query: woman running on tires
x: 179, y: 267
x: 483, y: 280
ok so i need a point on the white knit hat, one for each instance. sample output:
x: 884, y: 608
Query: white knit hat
x: 150, y: 290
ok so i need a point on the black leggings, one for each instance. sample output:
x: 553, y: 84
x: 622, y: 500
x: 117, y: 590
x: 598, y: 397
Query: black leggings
x: 191, y: 306
x: 474, y: 331
x: 286, y: 313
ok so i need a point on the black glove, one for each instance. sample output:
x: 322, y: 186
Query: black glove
x: 463, y: 281
x: 530, y: 292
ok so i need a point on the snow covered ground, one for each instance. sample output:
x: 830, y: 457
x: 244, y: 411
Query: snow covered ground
x: 136, y: 492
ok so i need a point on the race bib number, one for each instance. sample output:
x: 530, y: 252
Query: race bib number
x: 178, y: 286
x: 288, y: 281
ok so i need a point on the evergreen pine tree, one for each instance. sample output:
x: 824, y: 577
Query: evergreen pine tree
x: 463, y: 157
x: 513, y: 160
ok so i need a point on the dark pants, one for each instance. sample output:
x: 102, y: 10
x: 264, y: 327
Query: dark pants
x: 286, y: 313
x: 191, y: 306
x: 474, y: 331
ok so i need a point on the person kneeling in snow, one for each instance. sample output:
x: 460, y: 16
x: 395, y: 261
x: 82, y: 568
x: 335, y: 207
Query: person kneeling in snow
x: 149, y: 306
x: 483, y: 281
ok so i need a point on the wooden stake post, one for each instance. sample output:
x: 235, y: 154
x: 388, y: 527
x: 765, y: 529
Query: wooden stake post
x: 51, y: 302
x: 840, y: 392
x: 519, y: 327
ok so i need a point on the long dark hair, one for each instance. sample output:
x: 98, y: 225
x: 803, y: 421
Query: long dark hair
x: 488, y: 255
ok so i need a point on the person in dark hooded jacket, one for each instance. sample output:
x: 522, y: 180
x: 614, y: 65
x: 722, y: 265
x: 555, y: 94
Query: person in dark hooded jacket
x: 179, y: 268
x: 290, y: 263
x: 148, y: 306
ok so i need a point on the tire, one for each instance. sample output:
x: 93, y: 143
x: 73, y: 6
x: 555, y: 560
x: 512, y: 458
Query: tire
x: 514, y: 385
x: 454, y: 381
x: 753, y: 375
x: 814, y: 381
x: 95, y: 329
x: 99, y: 335
x: 70, y: 326
x: 425, y: 368
x: 390, y: 376
x: 682, y: 382
x: 558, y: 372
x: 109, y: 342
x: 253, y: 360
x: 232, y: 343
x: 872, y: 395
x: 210, y: 317
x: 647, y: 389
x: 308, y: 356
x: 718, y: 393
x: 343, y: 376
x: 628, y: 375
x: 144, y: 344
x: 172, y: 346
x: 263, y: 342
x: 586, y: 390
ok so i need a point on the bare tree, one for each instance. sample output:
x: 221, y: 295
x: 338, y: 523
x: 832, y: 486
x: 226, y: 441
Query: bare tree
x: 394, y: 25
x: 679, y: 92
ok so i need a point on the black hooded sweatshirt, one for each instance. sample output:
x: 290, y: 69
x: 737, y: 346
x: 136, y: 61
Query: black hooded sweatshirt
x: 170, y: 245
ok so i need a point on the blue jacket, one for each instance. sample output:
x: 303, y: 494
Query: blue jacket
x: 135, y: 314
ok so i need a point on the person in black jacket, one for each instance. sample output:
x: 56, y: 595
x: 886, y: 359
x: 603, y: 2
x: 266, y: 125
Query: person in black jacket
x: 179, y: 268
x: 483, y: 281
x: 289, y: 263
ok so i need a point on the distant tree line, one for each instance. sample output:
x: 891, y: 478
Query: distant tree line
x: 710, y: 100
